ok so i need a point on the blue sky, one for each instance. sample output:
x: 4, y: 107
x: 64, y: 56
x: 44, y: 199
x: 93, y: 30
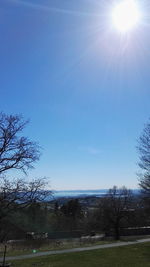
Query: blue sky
x: 84, y: 86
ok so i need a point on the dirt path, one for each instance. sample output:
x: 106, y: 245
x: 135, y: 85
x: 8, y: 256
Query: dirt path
x: 52, y: 252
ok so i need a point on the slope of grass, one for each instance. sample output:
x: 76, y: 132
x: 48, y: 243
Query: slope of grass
x: 128, y: 256
x: 26, y: 251
x: 15, y: 251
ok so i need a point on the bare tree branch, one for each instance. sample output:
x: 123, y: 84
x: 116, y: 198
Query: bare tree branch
x: 144, y: 163
x: 20, y: 194
x: 16, y: 152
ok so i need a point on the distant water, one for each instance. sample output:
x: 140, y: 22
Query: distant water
x: 84, y: 193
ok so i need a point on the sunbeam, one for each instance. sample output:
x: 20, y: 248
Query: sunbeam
x: 51, y: 9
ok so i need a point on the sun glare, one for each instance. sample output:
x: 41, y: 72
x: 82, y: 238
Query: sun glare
x: 126, y: 15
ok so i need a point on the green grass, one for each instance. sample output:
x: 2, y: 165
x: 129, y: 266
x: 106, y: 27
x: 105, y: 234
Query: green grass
x: 53, y: 246
x: 21, y: 251
x: 128, y: 256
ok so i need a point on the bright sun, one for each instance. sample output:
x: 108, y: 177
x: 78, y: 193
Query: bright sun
x: 126, y: 15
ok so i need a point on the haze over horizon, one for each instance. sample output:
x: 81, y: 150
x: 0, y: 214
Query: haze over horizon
x: 83, y: 85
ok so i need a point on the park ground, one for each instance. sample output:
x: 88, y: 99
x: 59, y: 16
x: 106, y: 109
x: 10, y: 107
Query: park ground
x: 137, y: 255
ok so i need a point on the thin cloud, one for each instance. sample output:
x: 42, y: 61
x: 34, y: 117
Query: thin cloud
x: 90, y: 150
x: 50, y: 9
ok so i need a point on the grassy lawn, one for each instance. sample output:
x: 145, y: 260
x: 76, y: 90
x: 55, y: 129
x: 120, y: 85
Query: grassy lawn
x: 21, y: 251
x: 129, y: 256
x: 25, y: 251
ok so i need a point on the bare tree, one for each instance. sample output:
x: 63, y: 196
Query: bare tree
x: 16, y: 151
x: 144, y: 163
x: 114, y: 209
x: 19, y: 193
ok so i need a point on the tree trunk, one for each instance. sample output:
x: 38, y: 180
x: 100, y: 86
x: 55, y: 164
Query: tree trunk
x: 117, y: 232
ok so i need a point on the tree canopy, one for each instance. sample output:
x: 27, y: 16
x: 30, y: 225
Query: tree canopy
x: 144, y: 159
x: 16, y: 151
